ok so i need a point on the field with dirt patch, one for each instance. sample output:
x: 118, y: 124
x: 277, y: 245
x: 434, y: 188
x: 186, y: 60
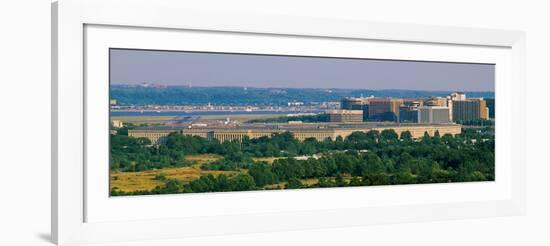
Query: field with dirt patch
x: 148, y: 180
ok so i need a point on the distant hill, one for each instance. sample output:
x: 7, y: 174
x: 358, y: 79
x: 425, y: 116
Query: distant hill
x: 178, y: 95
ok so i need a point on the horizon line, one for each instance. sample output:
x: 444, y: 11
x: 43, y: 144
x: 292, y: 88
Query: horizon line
x: 315, y: 88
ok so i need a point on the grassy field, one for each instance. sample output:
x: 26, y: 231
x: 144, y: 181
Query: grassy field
x: 146, y: 180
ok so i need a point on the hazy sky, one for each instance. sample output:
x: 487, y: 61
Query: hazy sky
x: 216, y: 69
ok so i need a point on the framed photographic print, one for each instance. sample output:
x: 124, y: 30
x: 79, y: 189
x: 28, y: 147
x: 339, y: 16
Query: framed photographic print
x: 172, y: 123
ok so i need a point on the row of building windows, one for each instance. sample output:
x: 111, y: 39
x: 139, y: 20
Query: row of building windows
x: 416, y: 132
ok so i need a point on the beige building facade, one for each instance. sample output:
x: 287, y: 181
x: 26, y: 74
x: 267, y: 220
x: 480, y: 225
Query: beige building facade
x: 417, y: 131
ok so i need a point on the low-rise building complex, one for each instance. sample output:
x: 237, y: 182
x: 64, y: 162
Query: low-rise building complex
x: 319, y: 131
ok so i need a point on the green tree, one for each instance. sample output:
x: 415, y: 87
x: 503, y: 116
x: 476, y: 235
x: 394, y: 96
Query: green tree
x: 243, y: 182
x: 262, y: 174
x: 376, y: 179
x: 388, y: 135
x: 406, y: 136
x: 293, y: 183
x: 374, y: 164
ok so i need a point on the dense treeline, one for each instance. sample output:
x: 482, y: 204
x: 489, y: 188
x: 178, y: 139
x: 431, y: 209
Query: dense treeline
x: 183, y: 95
x: 371, y: 158
x: 135, y: 154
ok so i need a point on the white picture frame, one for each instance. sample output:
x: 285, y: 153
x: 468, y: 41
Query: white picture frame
x: 81, y: 213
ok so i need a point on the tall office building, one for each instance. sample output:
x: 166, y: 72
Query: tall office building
x: 491, y: 107
x: 433, y: 115
x: 455, y: 96
x: 408, y: 111
x: 469, y: 109
x: 384, y: 109
x: 408, y: 114
x: 356, y: 103
x: 366, y: 112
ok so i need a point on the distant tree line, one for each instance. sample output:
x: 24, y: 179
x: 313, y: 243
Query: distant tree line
x: 185, y: 95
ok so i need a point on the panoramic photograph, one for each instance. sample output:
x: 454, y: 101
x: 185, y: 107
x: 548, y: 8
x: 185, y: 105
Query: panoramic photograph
x: 195, y: 122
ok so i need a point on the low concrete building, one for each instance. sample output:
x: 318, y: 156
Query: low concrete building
x: 301, y: 132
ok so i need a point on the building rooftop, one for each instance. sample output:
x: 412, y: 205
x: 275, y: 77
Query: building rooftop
x: 287, y: 126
